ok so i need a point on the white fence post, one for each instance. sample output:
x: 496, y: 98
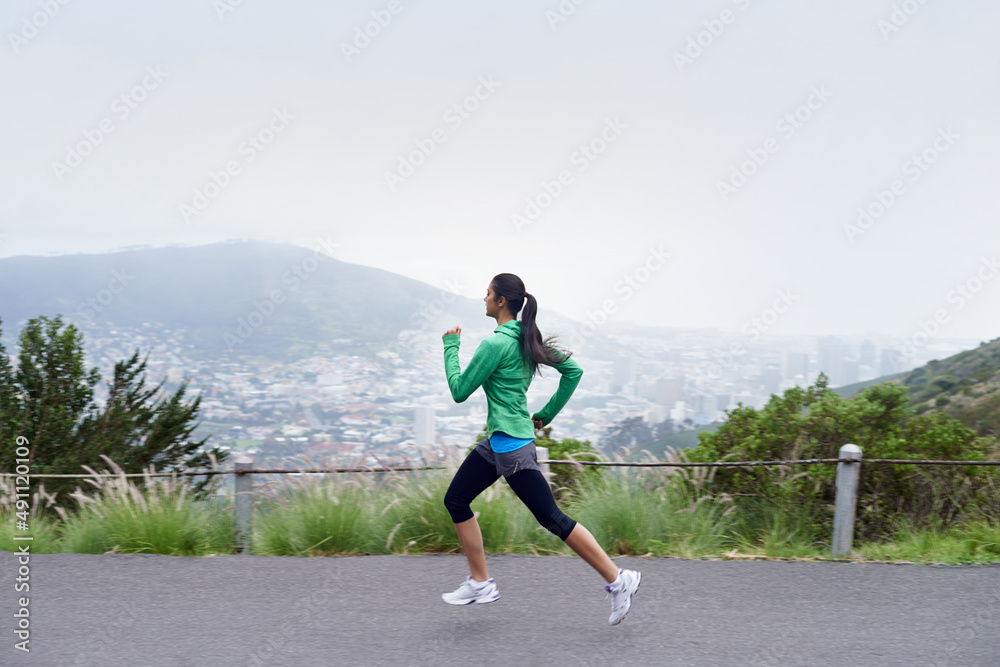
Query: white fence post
x: 543, y: 455
x: 846, y: 500
x: 243, y: 502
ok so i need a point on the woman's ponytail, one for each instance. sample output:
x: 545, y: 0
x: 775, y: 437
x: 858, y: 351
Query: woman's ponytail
x: 534, y: 350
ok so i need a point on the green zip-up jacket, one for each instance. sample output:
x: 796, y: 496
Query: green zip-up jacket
x: 498, y: 367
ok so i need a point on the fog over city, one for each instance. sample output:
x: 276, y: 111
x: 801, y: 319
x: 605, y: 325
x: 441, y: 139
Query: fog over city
x: 695, y: 164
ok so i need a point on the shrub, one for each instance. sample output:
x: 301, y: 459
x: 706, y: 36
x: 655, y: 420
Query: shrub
x: 816, y: 422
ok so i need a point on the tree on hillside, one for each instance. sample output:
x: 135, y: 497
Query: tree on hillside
x: 815, y: 422
x: 49, y: 400
x: 635, y: 434
x: 631, y: 432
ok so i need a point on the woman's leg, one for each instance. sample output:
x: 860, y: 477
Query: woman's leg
x: 533, y: 490
x: 474, y: 476
x: 583, y: 543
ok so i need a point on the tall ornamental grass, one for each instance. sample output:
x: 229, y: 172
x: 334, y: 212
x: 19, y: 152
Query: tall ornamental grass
x: 638, y: 510
x: 659, y: 511
x: 42, y: 527
x: 159, y: 518
x: 388, y: 513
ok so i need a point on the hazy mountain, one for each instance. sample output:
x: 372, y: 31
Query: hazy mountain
x: 268, y: 299
x: 261, y: 298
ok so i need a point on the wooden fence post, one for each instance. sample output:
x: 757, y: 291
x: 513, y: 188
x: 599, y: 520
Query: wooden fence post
x: 244, y: 503
x: 846, y: 500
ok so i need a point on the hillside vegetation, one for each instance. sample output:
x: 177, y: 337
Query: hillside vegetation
x: 966, y: 386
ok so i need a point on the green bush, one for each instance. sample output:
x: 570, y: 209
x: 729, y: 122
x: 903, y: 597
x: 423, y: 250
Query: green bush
x: 816, y: 422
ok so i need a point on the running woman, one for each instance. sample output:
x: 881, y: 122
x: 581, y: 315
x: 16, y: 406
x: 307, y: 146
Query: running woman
x: 504, y: 365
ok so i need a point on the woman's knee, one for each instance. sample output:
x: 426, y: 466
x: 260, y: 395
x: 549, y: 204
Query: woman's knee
x: 459, y: 509
x: 533, y: 490
x: 559, y: 524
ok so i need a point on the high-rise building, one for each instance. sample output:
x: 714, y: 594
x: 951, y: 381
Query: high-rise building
x: 423, y: 427
x: 623, y: 373
x: 849, y: 371
x: 668, y: 391
x: 771, y: 378
x: 832, y: 352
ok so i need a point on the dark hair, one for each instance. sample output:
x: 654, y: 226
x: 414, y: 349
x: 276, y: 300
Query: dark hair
x: 534, y: 350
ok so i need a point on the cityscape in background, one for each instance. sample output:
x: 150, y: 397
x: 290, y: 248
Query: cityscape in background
x: 390, y: 408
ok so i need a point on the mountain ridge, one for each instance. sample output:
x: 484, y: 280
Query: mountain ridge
x: 275, y: 300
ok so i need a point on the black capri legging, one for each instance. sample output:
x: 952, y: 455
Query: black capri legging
x: 476, y: 474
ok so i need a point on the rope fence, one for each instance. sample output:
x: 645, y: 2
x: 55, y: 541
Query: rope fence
x: 632, y: 464
x: 848, y: 471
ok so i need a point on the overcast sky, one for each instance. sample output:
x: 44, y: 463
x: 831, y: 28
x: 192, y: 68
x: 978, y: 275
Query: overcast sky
x: 731, y: 145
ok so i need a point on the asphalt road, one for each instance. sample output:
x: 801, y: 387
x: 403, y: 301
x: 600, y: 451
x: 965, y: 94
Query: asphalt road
x: 151, y: 611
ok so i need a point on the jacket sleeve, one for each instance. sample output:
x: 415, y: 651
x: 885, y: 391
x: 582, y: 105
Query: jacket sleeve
x: 484, y: 361
x: 571, y: 373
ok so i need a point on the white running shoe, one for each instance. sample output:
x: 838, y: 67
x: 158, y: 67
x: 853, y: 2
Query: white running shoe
x: 621, y: 594
x: 472, y: 591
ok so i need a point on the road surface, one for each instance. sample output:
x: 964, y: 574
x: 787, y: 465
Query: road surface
x: 152, y: 611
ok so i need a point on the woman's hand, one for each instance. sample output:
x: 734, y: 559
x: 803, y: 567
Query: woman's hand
x: 538, y: 423
x: 453, y: 330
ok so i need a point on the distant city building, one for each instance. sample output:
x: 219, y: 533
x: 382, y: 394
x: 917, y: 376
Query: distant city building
x: 850, y: 371
x: 423, y: 427
x: 705, y: 409
x: 832, y: 355
x: 622, y: 374
x: 771, y: 379
x: 655, y: 414
x: 668, y: 391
